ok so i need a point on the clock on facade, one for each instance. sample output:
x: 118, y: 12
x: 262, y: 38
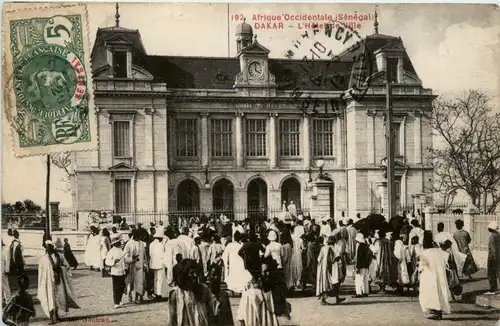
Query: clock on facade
x: 255, y: 69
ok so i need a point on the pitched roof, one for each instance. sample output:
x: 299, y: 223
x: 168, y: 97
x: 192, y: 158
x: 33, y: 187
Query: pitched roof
x: 220, y: 73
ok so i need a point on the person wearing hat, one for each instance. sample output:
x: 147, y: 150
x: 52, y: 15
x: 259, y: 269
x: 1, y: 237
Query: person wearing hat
x: 463, y: 240
x: 131, y: 248
x: 54, y: 285
x: 157, y: 263
x: 326, y: 229
x: 361, y: 266
x: 493, y: 263
x: 118, y: 260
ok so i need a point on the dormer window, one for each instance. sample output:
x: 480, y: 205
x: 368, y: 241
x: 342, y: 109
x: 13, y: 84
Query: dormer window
x: 392, y: 67
x: 120, y: 64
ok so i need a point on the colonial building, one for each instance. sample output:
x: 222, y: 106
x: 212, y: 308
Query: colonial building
x: 184, y: 133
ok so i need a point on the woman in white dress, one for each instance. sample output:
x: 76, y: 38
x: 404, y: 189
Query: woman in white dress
x: 92, y: 256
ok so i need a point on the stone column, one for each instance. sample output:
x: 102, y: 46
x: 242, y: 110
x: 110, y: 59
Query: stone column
x: 417, y: 138
x: 470, y: 212
x: 239, y: 140
x: 400, y: 75
x: 402, y: 138
x: 306, y: 149
x: 148, y: 136
x: 370, y: 139
x: 272, y: 140
x: 338, y: 137
x: 94, y: 155
x: 204, y: 139
x: 429, y: 212
x: 384, y: 200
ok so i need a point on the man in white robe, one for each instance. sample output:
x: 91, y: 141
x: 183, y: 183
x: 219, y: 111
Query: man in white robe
x: 156, y: 263
x: 92, y: 256
x: 236, y: 275
x: 171, y: 249
x: 185, y: 242
x: 434, y: 294
x: 54, y: 288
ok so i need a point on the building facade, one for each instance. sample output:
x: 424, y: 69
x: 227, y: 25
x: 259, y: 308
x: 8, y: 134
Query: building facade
x: 190, y: 133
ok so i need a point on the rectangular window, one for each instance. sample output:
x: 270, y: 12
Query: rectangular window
x: 187, y: 137
x: 121, y: 137
x: 256, y: 137
x: 289, y: 137
x: 323, y: 137
x: 397, y: 138
x: 392, y: 67
x: 123, y: 194
x: 120, y: 64
x: 222, y: 137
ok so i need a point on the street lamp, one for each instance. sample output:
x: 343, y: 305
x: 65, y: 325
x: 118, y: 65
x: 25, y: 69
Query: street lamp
x: 320, y: 163
x: 207, y: 182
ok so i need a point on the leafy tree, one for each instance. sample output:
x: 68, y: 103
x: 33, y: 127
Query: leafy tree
x: 22, y: 213
x: 469, y: 157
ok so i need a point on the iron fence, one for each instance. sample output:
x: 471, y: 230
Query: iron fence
x: 81, y: 220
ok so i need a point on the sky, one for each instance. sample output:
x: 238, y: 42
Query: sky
x: 453, y: 47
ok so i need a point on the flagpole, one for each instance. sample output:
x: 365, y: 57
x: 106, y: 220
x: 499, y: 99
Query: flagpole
x: 47, y: 200
x: 391, y: 207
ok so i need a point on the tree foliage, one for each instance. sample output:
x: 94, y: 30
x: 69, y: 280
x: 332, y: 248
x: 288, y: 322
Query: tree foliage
x: 467, y: 156
x: 22, y: 213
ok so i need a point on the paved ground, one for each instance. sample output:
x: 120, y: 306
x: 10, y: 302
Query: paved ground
x: 96, y: 301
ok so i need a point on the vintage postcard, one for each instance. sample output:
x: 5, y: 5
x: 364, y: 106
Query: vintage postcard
x: 48, y: 99
x: 257, y: 164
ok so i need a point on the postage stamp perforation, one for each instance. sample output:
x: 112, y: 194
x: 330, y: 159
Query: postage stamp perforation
x: 84, y: 112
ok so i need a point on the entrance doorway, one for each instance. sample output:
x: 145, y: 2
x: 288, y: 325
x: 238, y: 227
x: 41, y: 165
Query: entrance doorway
x: 256, y: 197
x: 290, y: 191
x: 223, y: 197
x: 188, y: 196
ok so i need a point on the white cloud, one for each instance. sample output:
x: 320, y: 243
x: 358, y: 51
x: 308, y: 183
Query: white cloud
x: 468, y: 57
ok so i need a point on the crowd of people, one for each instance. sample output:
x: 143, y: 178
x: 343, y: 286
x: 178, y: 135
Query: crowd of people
x: 264, y: 261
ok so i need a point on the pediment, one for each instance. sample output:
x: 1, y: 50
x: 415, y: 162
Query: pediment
x: 393, y: 47
x: 122, y: 167
x: 119, y: 40
x: 408, y: 79
x: 138, y: 73
x: 255, y: 48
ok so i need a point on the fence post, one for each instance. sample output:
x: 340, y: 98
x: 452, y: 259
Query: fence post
x: 469, y: 213
x: 429, y: 212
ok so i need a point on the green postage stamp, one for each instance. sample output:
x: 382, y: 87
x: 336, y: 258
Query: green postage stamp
x: 48, y: 101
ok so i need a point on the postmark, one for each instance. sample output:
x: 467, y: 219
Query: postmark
x: 347, y: 71
x: 48, y: 99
